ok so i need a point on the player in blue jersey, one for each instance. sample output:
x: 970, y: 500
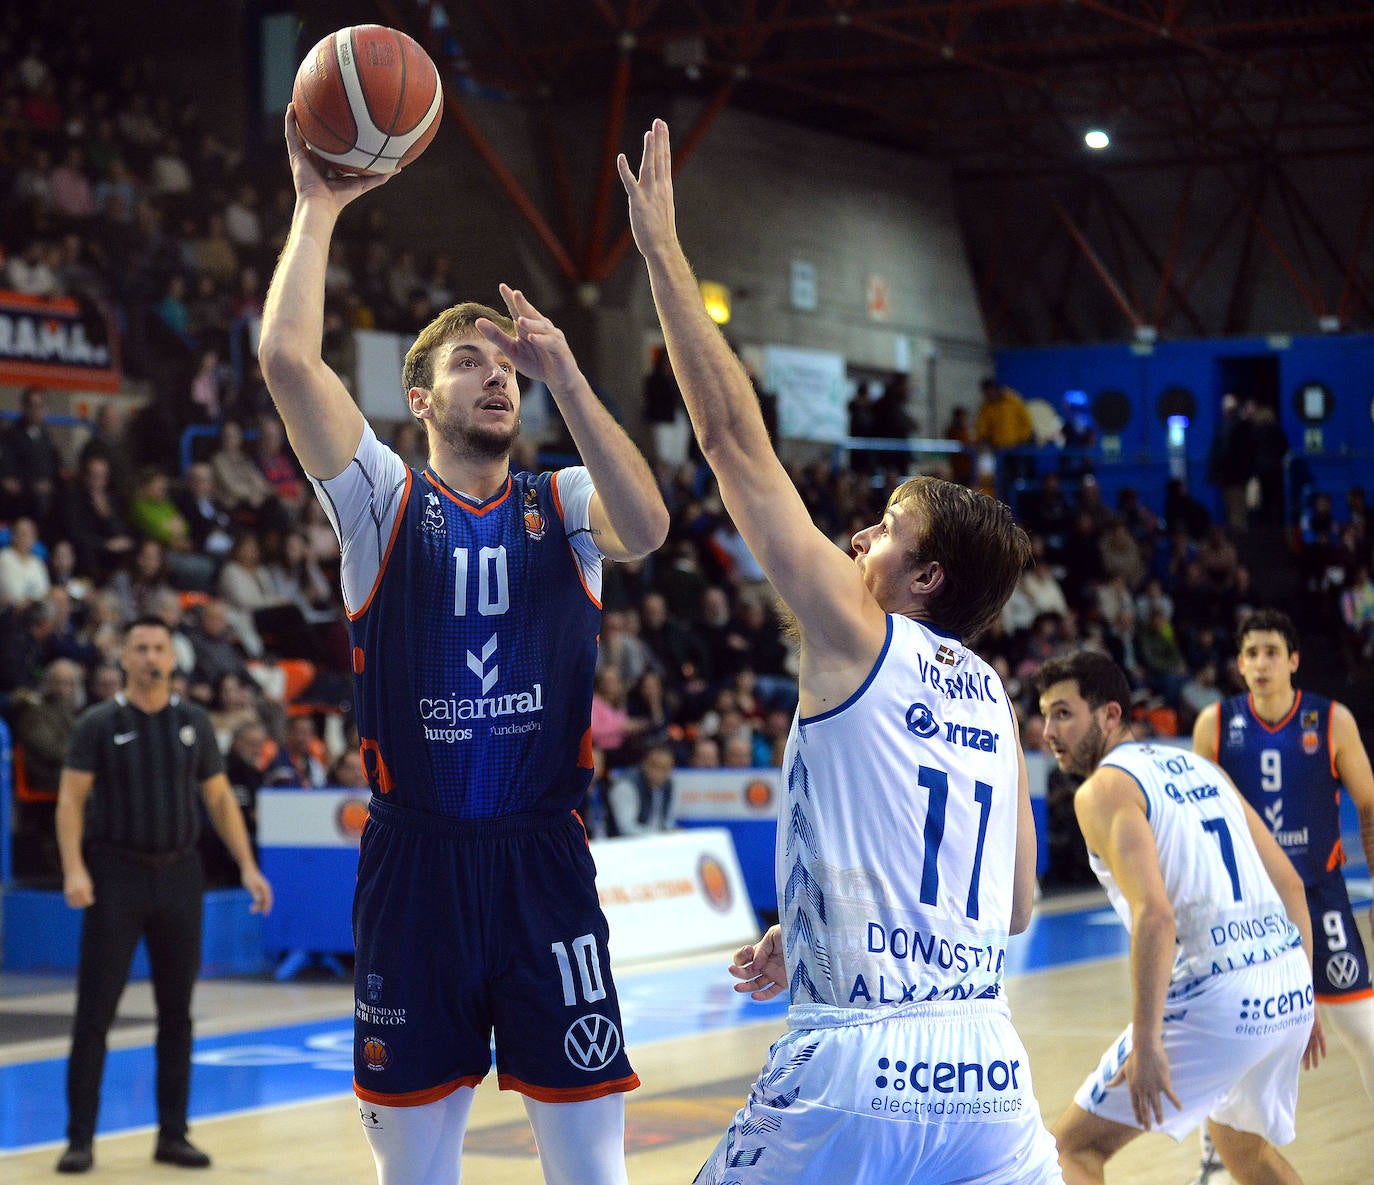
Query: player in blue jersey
x: 1221, y: 946
x: 473, y: 599
x: 906, y: 846
x: 1290, y: 752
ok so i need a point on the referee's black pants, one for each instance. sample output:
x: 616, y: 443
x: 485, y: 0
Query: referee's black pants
x: 163, y: 905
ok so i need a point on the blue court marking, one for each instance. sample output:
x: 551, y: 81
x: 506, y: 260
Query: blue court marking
x: 274, y: 1067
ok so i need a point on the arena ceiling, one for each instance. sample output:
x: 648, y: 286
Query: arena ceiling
x: 1235, y: 196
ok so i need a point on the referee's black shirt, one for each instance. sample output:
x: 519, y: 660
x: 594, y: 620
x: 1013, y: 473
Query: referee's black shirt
x: 148, y: 773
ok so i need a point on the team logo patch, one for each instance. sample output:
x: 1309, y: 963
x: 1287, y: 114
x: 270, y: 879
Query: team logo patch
x: 350, y: 816
x: 1309, y: 743
x: 376, y: 1055
x: 946, y: 657
x: 1309, y: 720
x: 534, y: 517
x: 187, y: 735
x: 434, y: 512
x: 591, y: 1042
x: 374, y: 987
x: 715, y: 885
x: 921, y: 721
x: 1342, y: 969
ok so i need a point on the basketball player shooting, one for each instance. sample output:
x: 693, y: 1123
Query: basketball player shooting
x: 907, y: 826
x: 472, y: 595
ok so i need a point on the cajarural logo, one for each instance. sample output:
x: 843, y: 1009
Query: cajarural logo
x: 445, y: 716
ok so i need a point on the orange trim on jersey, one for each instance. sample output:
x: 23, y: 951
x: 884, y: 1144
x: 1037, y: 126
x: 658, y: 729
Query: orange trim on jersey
x: 581, y: 823
x: 479, y: 511
x: 577, y: 567
x: 585, y: 760
x: 1260, y: 720
x: 1345, y: 997
x: 1337, y: 858
x: 416, y: 1098
x: 1331, y: 748
x: 390, y: 543
x: 567, y: 1094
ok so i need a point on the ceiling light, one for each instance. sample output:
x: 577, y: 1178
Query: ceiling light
x: 1096, y: 139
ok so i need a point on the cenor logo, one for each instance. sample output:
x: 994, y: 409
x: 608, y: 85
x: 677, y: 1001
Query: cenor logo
x: 591, y: 1042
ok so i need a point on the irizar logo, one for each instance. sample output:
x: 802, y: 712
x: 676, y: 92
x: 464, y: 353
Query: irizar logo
x: 921, y: 721
x: 591, y: 1042
x: 478, y: 666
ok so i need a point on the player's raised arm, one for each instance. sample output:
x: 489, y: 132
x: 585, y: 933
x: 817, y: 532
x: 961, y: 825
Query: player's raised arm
x: 817, y: 581
x: 322, y: 421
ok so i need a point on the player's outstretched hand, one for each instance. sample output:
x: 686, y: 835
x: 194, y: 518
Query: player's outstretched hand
x: 760, y: 967
x: 652, y: 217
x: 1146, y: 1074
x: 1316, y: 1044
x: 538, y: 348
x: 314, y: 179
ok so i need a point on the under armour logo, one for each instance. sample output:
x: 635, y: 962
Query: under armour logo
x: 1273, y: 815
x: 369, y: 1118
x: 1342, y: 969
x: 591, y: 1042
x: 478, y: 666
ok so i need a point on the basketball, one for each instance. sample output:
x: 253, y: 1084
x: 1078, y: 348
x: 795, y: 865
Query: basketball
x: 367, y: 99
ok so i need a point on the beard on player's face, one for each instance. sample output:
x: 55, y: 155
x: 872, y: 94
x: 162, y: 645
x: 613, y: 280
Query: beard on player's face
x: 483, y: 442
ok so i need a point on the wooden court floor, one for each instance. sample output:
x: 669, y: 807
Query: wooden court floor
x: 1066, y: 1017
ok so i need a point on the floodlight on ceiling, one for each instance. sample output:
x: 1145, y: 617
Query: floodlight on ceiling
x: 1096, y: 139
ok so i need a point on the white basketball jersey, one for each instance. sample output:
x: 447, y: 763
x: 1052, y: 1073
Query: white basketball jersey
x: 1227, y: 913
x: 896, y: 847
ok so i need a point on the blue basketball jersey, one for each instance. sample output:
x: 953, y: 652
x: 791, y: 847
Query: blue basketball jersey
x: 1286, y: 771
x: 475, y: 645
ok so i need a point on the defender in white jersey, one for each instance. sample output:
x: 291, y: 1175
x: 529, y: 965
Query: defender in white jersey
x: 906, y: 850
x: 1221, y: 943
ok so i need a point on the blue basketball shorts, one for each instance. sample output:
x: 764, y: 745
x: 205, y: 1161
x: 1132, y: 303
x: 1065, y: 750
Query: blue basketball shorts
x: 465, y: 929
x: 1340, y: 967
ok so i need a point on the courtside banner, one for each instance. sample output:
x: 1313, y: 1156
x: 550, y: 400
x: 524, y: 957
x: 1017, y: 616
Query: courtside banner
x: 725, y: 794
x: 56, y: 342
x: 291, y: 818
x: 673, y: 894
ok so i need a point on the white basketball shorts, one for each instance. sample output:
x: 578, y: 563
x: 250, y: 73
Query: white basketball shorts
x: 1235, y: 1044
x: 941, y: 1095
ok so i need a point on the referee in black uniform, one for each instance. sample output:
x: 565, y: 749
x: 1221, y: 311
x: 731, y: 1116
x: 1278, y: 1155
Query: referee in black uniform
x: 127, y: 826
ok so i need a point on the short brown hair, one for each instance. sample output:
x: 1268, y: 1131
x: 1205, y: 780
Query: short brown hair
x: 1264, y: 620
x: 976, y: 542
x: 456, y: 322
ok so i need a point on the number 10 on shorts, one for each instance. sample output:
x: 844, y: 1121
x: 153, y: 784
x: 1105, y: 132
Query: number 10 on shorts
x: 585, y: 961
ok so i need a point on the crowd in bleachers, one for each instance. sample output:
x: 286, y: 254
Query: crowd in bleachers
x: 114, y: 194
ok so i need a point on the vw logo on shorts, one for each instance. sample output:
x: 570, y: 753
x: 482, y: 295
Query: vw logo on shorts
x: 1342, y: 969
x: 591, y: 1042
x: 921, y: 721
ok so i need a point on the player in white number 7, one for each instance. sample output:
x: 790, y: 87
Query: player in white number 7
x: 906, y: 847
x: 1221, y: 946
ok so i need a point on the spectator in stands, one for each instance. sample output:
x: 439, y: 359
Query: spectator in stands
x: 25, y: 646
x: 613, y: 729
x: 1228, y: 461
x: 679, y: 651
x: 1082, y: 560
x: 1269, y: 449
x: 240, y: 485
x: 33, y: 271
x: 306, y: 754
x: 105, y: 682
x: 153, y: 513
x: 1357, y: 613
x: 62, y: 570
x: 23, y: 574
x: 167, y: 608
x: 243, y: 767
x: 218, y: 647
x: 95, y: 521
x: 705, y: 753
x: 72, y: 196
x: 661, y: 403
x: 960, y: 430
x: 143, y: 583
x: 1004, y: 421
x: 1160, y: 657
x: 279, y: 465
x: 724, y: 655
x: 648, y: 700
x: 235, y: 703
x: 1121, y: 555
x: 109, y: 438
x: 43, y: 721
x: 30, y: 463
x: 1046, y: 512
x: 641, y: 801
x: 208, y: 523
x: 740, y: 567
